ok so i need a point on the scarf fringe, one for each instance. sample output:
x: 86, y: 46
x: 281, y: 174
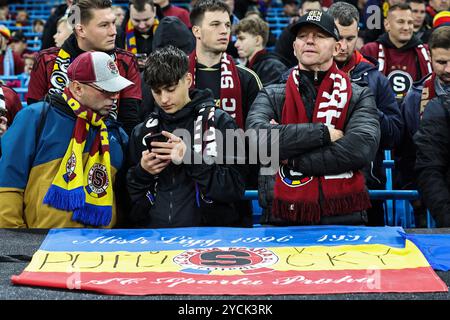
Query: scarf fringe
x: 305, y: 212
x: 347, y: 204
x: 93, y: 215
x: 63, y: 199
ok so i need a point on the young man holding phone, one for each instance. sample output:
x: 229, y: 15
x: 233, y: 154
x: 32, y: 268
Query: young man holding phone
x: 167, y: 184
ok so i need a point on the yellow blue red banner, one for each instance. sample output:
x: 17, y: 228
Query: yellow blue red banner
x: 217, y: 261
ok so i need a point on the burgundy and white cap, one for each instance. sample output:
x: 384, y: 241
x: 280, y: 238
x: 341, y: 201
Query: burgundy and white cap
x: 97, y: 68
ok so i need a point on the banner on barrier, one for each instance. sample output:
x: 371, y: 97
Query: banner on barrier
x: 231, y: 261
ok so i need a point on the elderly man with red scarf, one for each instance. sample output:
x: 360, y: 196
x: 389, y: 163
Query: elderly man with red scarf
x: 328, y: 130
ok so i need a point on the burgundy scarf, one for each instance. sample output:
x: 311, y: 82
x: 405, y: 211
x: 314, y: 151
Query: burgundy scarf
x: 230, y: 86
x: 422, y: 55
x: 428, y: 92
x: 356, y: 59
x: 296, y: 196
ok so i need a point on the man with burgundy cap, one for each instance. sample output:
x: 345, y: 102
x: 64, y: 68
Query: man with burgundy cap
x: 61, y: 155
x: 328, y: 130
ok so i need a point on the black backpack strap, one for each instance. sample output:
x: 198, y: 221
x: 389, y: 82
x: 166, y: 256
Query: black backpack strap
x: 42, y: 119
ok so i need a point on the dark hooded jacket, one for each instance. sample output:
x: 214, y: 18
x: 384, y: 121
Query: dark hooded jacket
x: 173, y: 31
x: 171, y: 198
x: 406, y: 153
x: 391, y: 123
x: 269, y: 67
x: 433, y: 154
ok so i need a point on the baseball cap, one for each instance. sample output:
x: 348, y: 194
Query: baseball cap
x: 97, y: 68
x: 318, y: 18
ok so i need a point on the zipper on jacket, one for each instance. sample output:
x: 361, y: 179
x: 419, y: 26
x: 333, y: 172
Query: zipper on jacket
x: 372, y: 174
x: 171, y: 197
x: 321, y: 197
x: 316, y: 78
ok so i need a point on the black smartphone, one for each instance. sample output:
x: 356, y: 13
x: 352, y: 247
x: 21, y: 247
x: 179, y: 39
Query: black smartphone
x: 141, y: 57
x: 157, y: 136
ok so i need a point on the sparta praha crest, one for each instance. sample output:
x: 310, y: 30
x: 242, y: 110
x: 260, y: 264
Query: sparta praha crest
x: 98, y: 181
x: 225, y: 260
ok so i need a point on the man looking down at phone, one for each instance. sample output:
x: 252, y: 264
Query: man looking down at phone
x: 93, y: 23
x: 61, y: 155
x: 167, y: 184
x: 137, y: 30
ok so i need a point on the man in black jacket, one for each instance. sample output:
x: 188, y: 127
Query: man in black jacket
x: 50, y: 27
x: 329, y: 129
x: 234, y: 87
x: 167, y: 184
x: 364, y: 72
x: 433, y: 155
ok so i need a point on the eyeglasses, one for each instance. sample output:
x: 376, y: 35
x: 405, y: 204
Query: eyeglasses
x: 108, y: 93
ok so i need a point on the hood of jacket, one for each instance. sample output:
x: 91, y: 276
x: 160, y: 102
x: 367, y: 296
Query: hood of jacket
x: 171, y: 30
x: 384, y: 40
x: 72, y: 48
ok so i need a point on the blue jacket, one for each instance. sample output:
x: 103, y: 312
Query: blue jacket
x: 33, y: 148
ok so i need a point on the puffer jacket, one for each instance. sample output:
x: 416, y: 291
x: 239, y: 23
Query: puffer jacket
x: 391, y: 121
x: 308, y: 147
x: 433, y: 153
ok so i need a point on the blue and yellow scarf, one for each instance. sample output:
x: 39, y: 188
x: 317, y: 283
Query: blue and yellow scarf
x: 84, y: 189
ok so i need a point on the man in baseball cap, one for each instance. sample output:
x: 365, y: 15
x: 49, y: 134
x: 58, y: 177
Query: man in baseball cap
x: 328, y: 129
x: 98, y: 69
x: 78, y: 146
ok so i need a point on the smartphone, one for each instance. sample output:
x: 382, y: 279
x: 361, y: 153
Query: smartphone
x: 141, y: 57
x: 157, y: 136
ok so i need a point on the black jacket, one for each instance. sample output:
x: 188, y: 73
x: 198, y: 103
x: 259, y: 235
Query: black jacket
x: 284, y: 48
x: 269, y: 67
x: 433, y: 159
x: 391, y: 122
x: 307, y: 146
x: 51, y: 25
x: 176, y: 203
